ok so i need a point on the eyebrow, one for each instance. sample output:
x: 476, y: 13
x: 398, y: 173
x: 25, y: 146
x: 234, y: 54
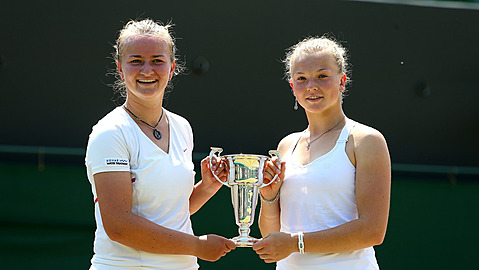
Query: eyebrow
x: 139, y: 56
x: 319, y: 70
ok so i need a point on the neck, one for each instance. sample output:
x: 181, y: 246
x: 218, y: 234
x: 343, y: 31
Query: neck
x: 321, y: 122
x: 147, y: 111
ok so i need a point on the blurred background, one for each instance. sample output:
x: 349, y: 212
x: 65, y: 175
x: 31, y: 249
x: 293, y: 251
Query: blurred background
x: 414, y: 78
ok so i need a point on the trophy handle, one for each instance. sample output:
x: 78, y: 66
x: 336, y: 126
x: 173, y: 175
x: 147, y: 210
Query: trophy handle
x: 273, y: 153
x: 212, y: 153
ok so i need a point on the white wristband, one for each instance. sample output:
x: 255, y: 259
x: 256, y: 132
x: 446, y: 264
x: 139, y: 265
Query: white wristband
x: 301, y: 242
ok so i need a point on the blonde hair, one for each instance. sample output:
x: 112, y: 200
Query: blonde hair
x: 146, y: 27
x: 313, y: 45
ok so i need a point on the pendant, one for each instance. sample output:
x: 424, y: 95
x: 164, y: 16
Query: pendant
x: 157, y: 134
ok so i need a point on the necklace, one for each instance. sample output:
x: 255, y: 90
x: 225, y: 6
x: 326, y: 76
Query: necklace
x: 156, y: 132
x: 309, y: 143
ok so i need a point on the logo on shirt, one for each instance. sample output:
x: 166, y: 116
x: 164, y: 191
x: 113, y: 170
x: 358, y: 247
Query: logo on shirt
x: 116, y: 162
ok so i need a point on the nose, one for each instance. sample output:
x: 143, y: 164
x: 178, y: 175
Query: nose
x: 312, y: 85
x: 147, y: 69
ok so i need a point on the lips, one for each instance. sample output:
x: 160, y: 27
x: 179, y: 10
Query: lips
x: 313, y: 98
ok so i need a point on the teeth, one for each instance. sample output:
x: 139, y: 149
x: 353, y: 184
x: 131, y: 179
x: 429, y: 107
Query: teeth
x: 147, y: 81
x: 313, y: 97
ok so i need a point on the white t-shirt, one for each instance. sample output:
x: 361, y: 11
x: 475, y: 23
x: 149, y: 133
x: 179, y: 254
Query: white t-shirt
x: 319, y: 196
x: 162, y: 184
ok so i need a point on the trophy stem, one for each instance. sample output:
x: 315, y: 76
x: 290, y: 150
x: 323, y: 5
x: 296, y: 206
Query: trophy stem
x: 244, y: 230
x: 244, y: 240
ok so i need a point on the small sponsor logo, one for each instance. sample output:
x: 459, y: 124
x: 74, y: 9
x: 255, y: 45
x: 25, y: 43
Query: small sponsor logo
x: 116, y: 162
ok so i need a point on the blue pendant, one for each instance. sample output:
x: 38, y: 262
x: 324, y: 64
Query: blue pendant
x: 157, y: 134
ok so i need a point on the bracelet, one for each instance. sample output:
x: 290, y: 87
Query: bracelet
x: 269, y: 201
x: 301, y: 242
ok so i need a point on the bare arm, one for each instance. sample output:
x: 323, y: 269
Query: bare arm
x: 208, y: 186
x: 269, y: 216
x: 114, y: 191
x: 373, y: 184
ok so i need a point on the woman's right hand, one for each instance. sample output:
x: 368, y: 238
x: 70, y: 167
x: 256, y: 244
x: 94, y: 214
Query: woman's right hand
x: 212, y: 247
x: 276, y: 246
x: 272, y: 167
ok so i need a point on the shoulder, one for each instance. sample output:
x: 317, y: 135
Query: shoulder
x: 113, y: 122
x: 363, y: 134
x: 111, y: 137
x: 288, y: 141
x: 366, y: 142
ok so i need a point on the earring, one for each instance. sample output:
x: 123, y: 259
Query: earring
x: 295, y: 104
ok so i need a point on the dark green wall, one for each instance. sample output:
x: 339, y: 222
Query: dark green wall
x: 56, y: 54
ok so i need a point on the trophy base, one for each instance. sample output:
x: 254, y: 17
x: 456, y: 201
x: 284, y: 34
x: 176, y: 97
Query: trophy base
x: 244, y: 241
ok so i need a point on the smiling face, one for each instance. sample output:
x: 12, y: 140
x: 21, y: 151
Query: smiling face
x: 145, y: 66
x: 316, y: 81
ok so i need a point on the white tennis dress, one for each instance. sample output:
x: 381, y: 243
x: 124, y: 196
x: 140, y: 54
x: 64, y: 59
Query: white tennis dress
x: 319, y: 196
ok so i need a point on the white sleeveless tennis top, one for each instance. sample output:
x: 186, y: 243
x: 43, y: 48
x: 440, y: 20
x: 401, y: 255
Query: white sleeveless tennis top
x: 319, y: 196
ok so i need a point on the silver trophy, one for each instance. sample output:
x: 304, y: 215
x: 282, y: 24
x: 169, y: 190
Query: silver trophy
x: 245, y: 178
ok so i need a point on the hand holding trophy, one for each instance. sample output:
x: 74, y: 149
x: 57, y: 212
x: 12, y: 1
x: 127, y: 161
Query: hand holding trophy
x: 245, y: 178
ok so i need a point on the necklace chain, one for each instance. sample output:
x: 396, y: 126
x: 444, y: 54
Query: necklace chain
x: 156, y: 132
x: 321, y: 135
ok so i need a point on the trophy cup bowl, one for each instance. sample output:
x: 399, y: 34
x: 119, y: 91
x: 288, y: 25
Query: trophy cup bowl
x: 245, y: 178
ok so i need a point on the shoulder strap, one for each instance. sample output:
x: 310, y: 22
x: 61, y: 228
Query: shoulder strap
x: 344, y: 136
x: 293, y: 146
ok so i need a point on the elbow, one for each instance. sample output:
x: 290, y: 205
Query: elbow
x: 377, y: 240
x: 376, y: 237
x: 374, y: 231
x: 116, y: 229
x: 115, y: 237
x: 118, y: 225
x: 113, y: 233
